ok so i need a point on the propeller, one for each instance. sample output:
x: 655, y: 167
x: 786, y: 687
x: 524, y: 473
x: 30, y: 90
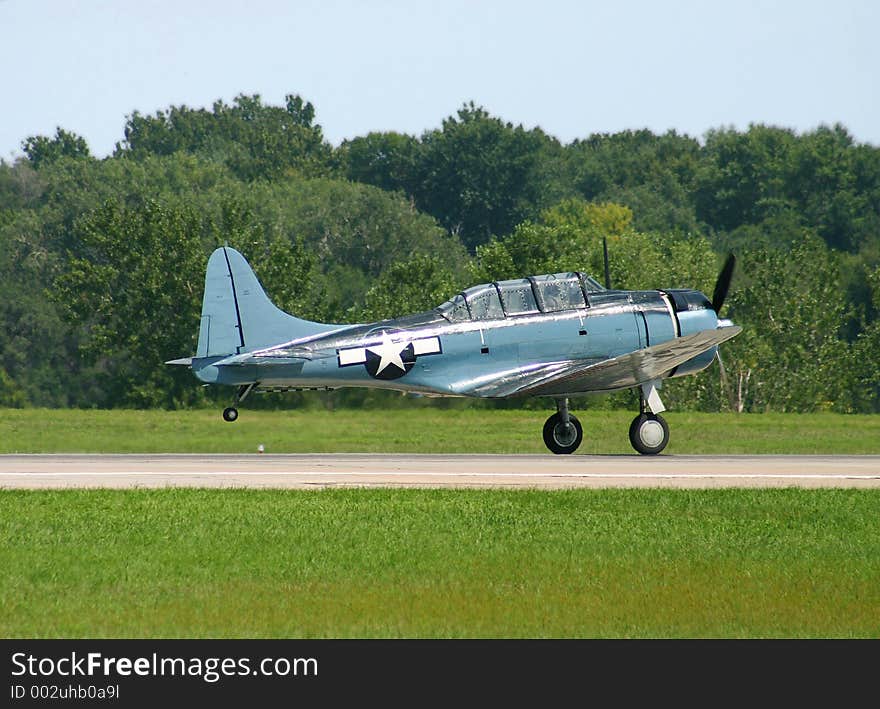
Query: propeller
x: 722, y: 285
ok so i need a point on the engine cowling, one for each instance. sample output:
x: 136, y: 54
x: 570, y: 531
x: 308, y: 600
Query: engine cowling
x: 694, y: 313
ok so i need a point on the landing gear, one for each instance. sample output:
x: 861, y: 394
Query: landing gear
x: 230, y: 413
x: 649, y: 432
x: 563, y: 433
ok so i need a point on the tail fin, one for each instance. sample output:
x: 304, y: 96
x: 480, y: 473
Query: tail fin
x: 237, y: 315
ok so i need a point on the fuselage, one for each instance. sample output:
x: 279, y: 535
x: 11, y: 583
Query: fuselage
x: 450, y: 350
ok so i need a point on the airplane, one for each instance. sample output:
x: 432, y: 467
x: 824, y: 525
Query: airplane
x: 558, y: 335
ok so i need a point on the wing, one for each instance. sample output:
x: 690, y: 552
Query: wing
x: 577, y: 376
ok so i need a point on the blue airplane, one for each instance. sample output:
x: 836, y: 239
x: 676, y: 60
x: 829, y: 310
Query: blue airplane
x: 559, y: 335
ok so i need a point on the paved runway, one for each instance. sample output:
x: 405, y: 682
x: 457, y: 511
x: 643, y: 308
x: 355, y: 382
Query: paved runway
x: 478, y: 471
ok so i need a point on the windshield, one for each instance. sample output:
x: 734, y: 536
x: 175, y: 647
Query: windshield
x: 591, y: 285
x: 455, y: 309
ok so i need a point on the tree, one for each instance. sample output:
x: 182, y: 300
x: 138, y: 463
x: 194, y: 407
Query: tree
x: 287, y: 270
x: 390, y: 161
x: 133, y: 291
x: 742, y: 180
x: 410, y: 286
x: 353, y: 231
x: 837, y: 187
x: 385, y: 240
x: 36, y: 354
x: 651, y: 174
x: 477, y: 175
x: 21, y: 187
x: 481, y: 177
x: 865, y: 363
x: 256, y: 141
x: 570, y: 239
x: 41, y: 150
x: 820, y: 179
x: 605, y: 219
x: 791, y: 307
x: 534, y: 249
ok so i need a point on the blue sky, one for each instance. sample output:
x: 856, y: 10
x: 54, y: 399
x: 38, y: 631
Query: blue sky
x: 572, y: 68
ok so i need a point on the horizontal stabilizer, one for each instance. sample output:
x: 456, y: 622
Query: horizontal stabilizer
x: 183, y: 361
x: 249, y: 360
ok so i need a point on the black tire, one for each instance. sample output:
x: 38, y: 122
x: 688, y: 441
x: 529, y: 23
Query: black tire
x: 646, y: 436
x: 563, y: 439
x: 230, y: 414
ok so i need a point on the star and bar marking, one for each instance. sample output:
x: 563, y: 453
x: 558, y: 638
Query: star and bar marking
x: 390, y: 358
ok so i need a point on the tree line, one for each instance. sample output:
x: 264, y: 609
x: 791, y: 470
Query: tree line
x: 102, y: 260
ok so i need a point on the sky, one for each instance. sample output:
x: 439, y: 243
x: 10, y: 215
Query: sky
x: 571, y: 68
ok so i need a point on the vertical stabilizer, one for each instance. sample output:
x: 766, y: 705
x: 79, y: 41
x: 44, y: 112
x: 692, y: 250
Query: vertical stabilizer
x: 237, y: 315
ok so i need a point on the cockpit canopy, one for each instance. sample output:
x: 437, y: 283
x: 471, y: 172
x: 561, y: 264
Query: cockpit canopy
x: 523, y: 296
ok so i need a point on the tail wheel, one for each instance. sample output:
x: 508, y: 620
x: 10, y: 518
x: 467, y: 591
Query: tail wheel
x: 561, y: 437
x: 230, y: 414
x: 649, y: 433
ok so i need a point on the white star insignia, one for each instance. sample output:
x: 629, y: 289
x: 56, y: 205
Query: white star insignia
x: 389, y: 353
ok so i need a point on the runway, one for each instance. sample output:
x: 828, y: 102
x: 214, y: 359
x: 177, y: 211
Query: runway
x: 446, y: 471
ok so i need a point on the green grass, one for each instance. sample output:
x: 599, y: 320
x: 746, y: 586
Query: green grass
x: 423, y: 429
x: 454, y: 563
x: 419, y: 563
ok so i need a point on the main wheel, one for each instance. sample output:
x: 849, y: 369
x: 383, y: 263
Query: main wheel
x: 649, y: 434
x: 560, y: 437
x: 230, y: 414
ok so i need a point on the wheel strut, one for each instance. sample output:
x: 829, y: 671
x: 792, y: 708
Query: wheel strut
x: 563, y: 433
x: 230, y: 413
x: 562, y: 410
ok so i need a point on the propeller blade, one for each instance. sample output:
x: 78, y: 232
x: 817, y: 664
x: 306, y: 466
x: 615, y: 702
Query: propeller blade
x: 722, y: 285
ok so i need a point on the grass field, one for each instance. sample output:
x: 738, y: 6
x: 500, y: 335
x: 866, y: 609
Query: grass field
x: 435, y: 563
x: 423, y: 429
x: 420, y: 563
